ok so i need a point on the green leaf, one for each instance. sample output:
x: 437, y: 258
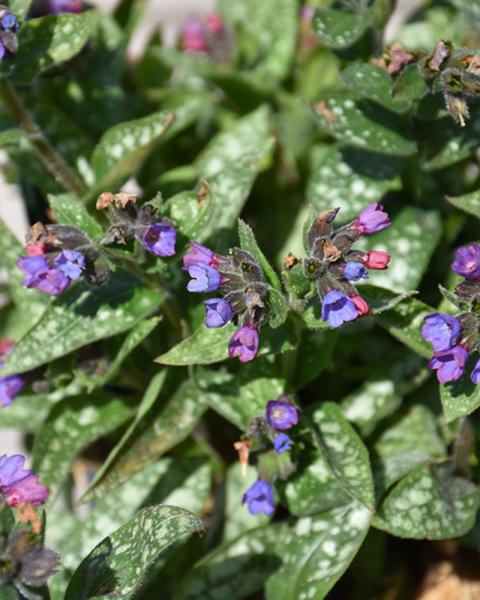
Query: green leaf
x: 404, y: 321
x: 249, y: 244
x: 159, y: 430
x: 236, y: 569
x: 317, y: 552
x: 19, y: 7
x: 124, y: 147
x: 363, y: 124
x: 350, y: 178
x: 179, y: 482
x: 471, y: 9
x: 373, y: 83
x: 382, y: 394
x: 135, y: 337
x: 191, y: 211
x: 345, y: 453
x: 278, y: 308
x: 48, y: 41
x: 207, y: 346
x: 410, y: 439
x: 119, y: 564
x: 30, y: 303
x: 68, y: 211
x: 409, y: 85
x: 469, y: 203
x: 72, y: 425
x: 447, y: 144
x: 240, y: 397
x: 459, y: 398
x: 82, y: 316
x: 430, y: 503
x: 339, y: 29
x: 413, y: 233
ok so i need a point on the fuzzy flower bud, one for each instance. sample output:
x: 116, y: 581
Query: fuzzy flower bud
x: 353, y: 271
x: 376, y: 259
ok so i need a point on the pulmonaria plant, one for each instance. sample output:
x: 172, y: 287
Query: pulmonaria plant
x: 242, y: 289
x: 454, y: 338
x: 10, y: 385
x: 264, y: 432
x: 333, y: 264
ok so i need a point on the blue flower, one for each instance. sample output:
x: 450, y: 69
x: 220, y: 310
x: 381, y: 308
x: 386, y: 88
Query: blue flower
x: 71, y: 263
x: 281, y: 414
x: 337, y: 308
x: 282, y: 443
x: 449, y: 364
x: 10, y: 387
x: 9, y: 23
x: 354, y: 271
x: 160, y: 239
x: 40, y: 276
x: 204, y: 278
x: 441, y: 330
x: 475, y: 374
x: 218, y: 312
x: 259, y: 498
x: 467, y: 261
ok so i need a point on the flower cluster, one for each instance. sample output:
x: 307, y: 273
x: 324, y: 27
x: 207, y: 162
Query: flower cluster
x: 454, y: 338
x: 10, y: 385
x: 280, y: 416
x: 26, y: 562
x: 333, y: 264
x: 157, y: 235
x: 243, y: 289
x: 18, y: 485
x: 210, y: 36
x: 9, y: 26
x: 56, y: 256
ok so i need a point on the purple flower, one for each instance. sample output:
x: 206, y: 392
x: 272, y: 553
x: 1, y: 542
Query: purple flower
x: 40, y: 276
x: 218, y: 312
x: 193, y: 36
x: 337, y: 308
x: 10, y: 387
x: 71, y: 263
x: 159, y: 239
x: 354, y: 271
x: 66, y: 6
x: 281, y: 414
x: 475, y: 374
x: 244, y: 344
x: 259, y: 498
x: 441, y: 330
x: 282, y: 443
x: 199, y: 255
x: 2, y: 51
x: 371, y: 219
x: 9, y: 23
x: 204, y: 278
x: 467, y: 261
x: 19, y: 485
x: 449, y: 364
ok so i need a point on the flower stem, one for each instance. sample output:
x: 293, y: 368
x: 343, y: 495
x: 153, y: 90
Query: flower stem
x: 53, y: 161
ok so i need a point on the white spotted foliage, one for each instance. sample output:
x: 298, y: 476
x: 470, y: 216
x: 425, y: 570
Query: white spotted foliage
x: 119, y: 564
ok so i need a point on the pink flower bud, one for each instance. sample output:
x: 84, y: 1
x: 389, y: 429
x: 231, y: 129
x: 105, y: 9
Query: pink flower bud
x: 376, y: 259
x: 362, y: 307
x: 215, y: 23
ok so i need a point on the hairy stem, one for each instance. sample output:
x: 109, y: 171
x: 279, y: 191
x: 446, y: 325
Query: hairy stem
x: 53, y: 161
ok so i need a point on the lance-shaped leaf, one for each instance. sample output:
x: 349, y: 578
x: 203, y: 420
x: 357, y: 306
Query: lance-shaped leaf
x: 340, y: 28
x: 68, y: 211
x: 350, y: 178
x: 361, y: 123
x: 373, y: 83
x: 469, y: 203
x: 236, y: 569
x: 30, y: 303
x: 317, y: 552
x: 124, y: 147
x: 344, y: 452
x: 72, y: 425
x: 459, y: 398
x: 411, y: 439
x: 47, y: 41
x: 430, y: 503
x: 119, y: 564
x: 159, y: 430
x: 413, y: 233
x: 249, y: 244
x: 82, y: 316
x: 207, y: 346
